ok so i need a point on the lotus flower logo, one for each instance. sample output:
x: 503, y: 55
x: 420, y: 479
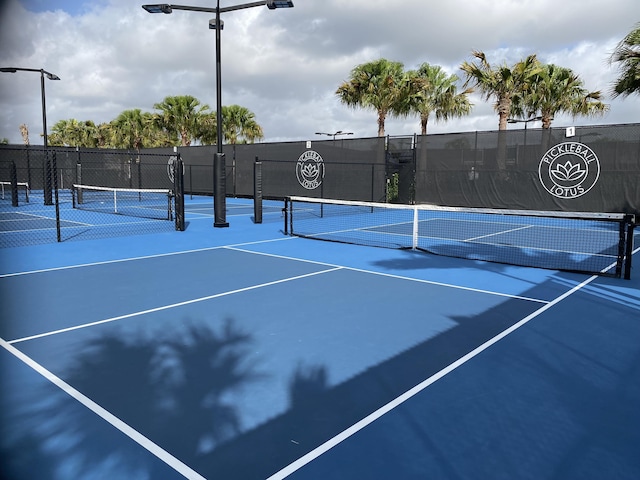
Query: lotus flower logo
x: 310, y: 170
x: 569, y: 172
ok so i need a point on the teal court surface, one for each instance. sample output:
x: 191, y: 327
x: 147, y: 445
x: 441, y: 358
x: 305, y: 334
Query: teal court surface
x: 245, y: 353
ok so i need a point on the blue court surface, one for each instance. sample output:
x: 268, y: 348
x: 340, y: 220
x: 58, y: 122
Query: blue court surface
x: 243, y: 353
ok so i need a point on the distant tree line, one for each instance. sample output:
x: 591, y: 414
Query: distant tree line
x: 178, y: 121
x: 528, y: 89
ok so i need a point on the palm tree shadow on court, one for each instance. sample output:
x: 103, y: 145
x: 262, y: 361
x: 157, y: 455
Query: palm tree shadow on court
x: 172, y: 388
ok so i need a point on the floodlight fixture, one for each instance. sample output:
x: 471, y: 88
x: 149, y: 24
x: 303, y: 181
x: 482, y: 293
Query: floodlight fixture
x: 273, y: 4
x: 525, y: 120
x: 335, y: 134
x: 158, y: 8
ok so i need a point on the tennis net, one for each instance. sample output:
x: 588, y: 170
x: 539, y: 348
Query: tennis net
x: 8, y: 188
x: 143, y: 203
x: 594, y: 243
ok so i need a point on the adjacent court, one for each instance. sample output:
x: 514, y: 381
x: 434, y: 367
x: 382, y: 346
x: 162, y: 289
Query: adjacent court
x: 245, y: 353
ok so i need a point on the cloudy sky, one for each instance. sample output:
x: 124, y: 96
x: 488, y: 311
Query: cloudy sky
x: 285, y: 65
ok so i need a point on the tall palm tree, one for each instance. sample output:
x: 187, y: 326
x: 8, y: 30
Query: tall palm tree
x: 69, y: 132
x: 554, y: 90
x: 438, y: 95
x: 181, y: 116
x: 380, y: 85
x: 627, y: 55
x: 133, y: 129
x: 239, y: 125
x: 208, y: 133
x: 499, y: 82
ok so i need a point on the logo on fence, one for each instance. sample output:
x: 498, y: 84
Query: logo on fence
x: 171, y: 166
x: 569, y: 170
x: 310, y: 170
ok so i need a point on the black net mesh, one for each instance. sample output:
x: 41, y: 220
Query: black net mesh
x: 578, y: 242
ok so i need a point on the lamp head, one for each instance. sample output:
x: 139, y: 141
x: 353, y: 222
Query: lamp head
x: 273, y: 4
x: 158, y: 8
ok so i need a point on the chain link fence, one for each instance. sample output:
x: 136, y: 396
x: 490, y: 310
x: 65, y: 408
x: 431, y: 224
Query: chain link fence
x: 75, y: 194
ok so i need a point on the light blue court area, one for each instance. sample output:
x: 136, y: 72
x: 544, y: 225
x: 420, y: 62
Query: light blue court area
x: 242, y: 353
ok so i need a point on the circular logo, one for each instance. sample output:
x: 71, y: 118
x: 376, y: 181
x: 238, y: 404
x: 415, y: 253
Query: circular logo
x: 171, y: 166
x: 569, y: 170
x: 310, y: 170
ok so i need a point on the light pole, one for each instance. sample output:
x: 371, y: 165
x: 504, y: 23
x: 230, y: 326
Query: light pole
x: 334, y: 135
x: 48, y: 200
x: 219, y: 193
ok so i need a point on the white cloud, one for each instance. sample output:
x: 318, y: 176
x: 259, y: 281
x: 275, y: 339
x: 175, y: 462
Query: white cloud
x: 285, y: 65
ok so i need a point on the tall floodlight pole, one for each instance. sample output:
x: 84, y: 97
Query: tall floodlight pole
x: 48, y: 171
x: 219, y: 187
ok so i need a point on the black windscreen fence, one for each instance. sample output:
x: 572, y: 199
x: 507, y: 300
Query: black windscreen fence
x: 581, y: 169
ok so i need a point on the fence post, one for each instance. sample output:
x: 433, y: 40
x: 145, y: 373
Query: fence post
x: 257, y: 191
x: 219, y: 191
x: 54, y: 168
x: 13, y: 174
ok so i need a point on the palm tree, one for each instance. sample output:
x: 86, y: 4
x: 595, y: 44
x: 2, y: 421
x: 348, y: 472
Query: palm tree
x: 627, y: 55
x: 133, y: 129
x: 500, y: 82
x: 554, y: 90
x: 438, y: 95
x: 181, y: 117
x: 67, y: 133
x: 380, y: 85
x: 208, y: 133
x: 239, y: 124
x: 24, y: 132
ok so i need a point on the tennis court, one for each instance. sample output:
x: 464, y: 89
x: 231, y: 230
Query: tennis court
x: 245, y: 353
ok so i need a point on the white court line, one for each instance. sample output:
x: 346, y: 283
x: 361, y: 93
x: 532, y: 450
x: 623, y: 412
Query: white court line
x: 133, y: 259
x: 498, y: 233
x: 329, y: 444
x: 390, y: 275
x: 168, y: 307
x: 130, y: 432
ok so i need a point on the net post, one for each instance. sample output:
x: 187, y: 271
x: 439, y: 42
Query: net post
x: 78, y: 182
x: 257, y: 191
x: 285, y: 214
x: 414, y: 242
x: 13, y: 173
x: 219, y: 191
x: 631, y: 224
x: 48, y: 189
x: 178, y: 190
x: 56, y: 198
